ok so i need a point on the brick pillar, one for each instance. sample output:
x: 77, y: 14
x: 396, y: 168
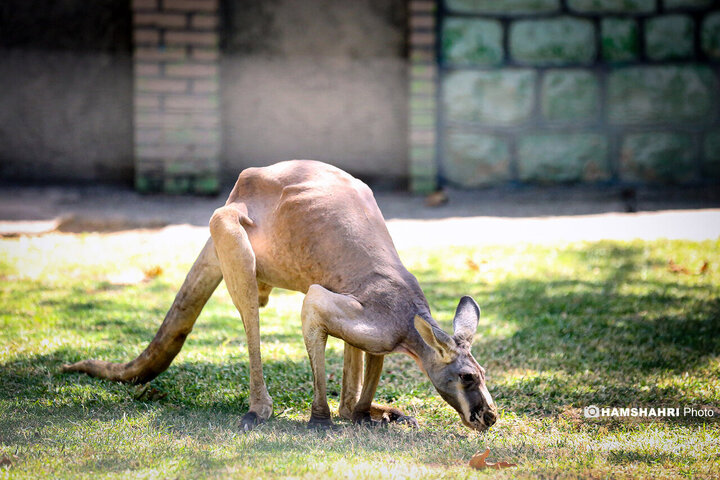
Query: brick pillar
x: 177, y: 117
x: 423, y: 93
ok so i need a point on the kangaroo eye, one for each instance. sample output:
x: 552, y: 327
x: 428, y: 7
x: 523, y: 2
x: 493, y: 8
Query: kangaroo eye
x: 468, y: 378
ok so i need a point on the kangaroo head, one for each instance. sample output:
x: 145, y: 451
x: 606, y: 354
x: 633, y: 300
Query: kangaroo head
x: 456, y: 375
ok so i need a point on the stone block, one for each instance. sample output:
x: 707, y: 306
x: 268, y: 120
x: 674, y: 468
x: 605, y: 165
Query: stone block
x: 669, y: 37
x: 422, y: 119
x: 570, y: 96
x: 468, y: 41
x: 503, y: 6
x: 206, y: 185
x: 205, y: 39
x: 710, y: 35
x: 474, y: 160
x: 147, y: 102
x: 161, y: 85
x: 657, y: 157
x: 194, y: 70
x: 671, y: 4
x: 498, y: 97
x: 147, y: 182
x: 612, y: 6
x: 146, y: 36
x: 209, y: 22
x: 192, y: 103
x: 205, y: 54
x: 553, y: 41
x: 712, y: 155
x: 147, y: 69
x: 619, y: 39
x: 423, y: 185
x: 418, y: 103
x: 144, y: 4
x: 422, y: 6
x: 162, y: 20
x: 661, y: 94
x: 150, y: 54
x: 191, y: 5
x: 205, y: 86
x: 423, y: 154
x: 563, y: 158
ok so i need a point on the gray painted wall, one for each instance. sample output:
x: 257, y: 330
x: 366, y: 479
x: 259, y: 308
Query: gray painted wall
x: 320, y: 79
x: 65, y: 91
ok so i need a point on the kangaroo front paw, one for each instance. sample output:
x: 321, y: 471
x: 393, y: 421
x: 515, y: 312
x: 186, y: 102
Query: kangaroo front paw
x: 319, y: 423
x: 364, y: 419
x: 249, y: 421
x: 407, y: 420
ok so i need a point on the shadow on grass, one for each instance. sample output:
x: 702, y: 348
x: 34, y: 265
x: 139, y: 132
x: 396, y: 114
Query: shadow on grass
x: 604, y: 340
x: 41, y: 395
x: 601, y: 341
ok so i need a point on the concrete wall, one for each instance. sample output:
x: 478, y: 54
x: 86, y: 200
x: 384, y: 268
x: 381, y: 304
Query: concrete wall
x: 551, y: 91
x: 320, y: 79
x: 65, y: 91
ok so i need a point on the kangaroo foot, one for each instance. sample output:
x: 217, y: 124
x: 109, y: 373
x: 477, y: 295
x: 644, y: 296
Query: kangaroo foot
x: 249, y: 421
x: 318, y: 423
x: 366, y: 420
x: 392, y: 415
x: 407, y: 420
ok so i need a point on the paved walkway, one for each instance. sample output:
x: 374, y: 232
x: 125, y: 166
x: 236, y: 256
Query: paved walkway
x: 499, y: 216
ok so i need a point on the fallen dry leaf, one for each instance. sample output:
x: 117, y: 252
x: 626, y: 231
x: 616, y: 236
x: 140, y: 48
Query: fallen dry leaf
x: 675, y: 268
x: 7, y: 461
x: 472, y: 265
x: 149, y: 393
x: 436, y: 199
x: 478, y: 462
x: 153, y: 272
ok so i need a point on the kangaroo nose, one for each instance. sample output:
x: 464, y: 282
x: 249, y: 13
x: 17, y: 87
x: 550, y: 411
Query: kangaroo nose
x: 489, y: 417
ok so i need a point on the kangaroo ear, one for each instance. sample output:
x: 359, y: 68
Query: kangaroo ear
x: 440, y: 341
x: 466, y: 320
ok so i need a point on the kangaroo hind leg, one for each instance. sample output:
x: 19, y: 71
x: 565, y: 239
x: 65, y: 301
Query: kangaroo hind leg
x: 238, y: 265
x: 367, y: 412
x: 351, y: 380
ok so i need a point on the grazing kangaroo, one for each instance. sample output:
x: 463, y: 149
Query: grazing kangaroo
x: 308, y: 226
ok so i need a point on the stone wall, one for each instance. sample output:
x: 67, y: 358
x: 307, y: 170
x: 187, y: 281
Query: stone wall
x: 559, y: 91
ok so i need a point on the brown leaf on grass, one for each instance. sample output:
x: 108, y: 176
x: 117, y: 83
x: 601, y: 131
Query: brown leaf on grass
x: 675, y: 268
x: 472, y: 265
x: 153, y: 272
x: 7, y: 461
x: 147, y: 393
x: 478, y: 462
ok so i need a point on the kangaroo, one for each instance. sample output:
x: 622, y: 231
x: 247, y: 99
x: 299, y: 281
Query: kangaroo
x: 307, y: 226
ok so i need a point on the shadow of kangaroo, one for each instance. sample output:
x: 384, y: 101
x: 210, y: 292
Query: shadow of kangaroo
x: 307, y: 226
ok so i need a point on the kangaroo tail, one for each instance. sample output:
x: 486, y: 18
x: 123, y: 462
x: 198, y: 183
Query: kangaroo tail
x: 199, y: 285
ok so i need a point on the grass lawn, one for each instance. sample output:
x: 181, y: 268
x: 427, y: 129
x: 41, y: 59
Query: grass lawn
x: 563, y: 327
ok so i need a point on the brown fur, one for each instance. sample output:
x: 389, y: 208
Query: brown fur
x: 310, y: 227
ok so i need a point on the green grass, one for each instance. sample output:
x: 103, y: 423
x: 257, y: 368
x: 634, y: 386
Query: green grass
x: 563, y: 327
